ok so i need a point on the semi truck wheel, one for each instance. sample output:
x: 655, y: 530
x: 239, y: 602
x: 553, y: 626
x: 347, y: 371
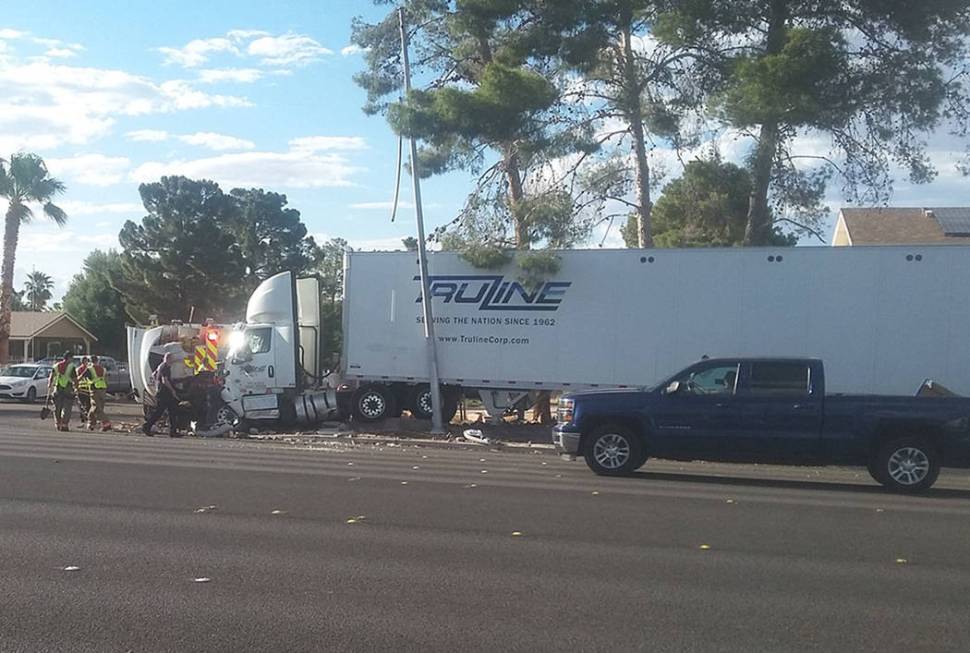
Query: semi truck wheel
x: 907, y: 464
x: 373, y: 403
x: 612, y: 450
x: 420, y: 404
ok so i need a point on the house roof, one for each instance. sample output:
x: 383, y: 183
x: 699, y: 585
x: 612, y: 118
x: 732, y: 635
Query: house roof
x: 30, y: 324
x: 907, y: 225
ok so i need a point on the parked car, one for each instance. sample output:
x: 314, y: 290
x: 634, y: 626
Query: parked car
x: 766, y: 410
x: 26, y: 382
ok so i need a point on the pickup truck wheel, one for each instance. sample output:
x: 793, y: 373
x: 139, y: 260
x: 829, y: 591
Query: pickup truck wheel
x: 613, y: 451
x: 641, y: 461
x: 909, y: 464
x: 373, y: 403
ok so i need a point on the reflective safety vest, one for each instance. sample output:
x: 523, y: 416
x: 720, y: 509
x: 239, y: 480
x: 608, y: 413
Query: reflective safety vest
x: 83, y: 382
x: 98, y: 377
x: 63, y: 374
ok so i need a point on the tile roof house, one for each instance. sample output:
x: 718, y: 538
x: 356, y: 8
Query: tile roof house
x: 37, y: 335
x: 903, y: 226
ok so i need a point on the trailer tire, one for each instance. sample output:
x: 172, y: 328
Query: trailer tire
x: 420, y: 403
x: 908, y: 464
x: 373, y: 403
x: 612, y: 450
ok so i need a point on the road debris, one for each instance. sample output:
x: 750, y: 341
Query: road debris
x: 201, y: 579
x: 476, y: 436
x: 206, y: 509
x: 901, y: 561
x: 72, y: 568
x: 516, y: 533
x: 704, y: 547
x: 278, y: 512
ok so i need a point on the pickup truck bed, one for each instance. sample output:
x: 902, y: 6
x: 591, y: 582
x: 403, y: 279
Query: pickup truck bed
x: 766, y: 410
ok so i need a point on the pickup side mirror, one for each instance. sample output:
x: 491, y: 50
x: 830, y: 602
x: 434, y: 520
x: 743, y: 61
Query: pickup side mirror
x: 673, y: 388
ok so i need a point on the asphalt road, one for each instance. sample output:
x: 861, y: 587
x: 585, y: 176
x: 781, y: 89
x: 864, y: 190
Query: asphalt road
x: 426, y: 549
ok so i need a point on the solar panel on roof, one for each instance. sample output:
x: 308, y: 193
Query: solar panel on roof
x: 954, y: 221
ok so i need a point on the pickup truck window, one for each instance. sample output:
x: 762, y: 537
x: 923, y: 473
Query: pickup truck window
x: 780, y: 378
x: 715, y: 380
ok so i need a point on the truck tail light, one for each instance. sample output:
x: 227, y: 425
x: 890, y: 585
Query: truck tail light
x: 565, y: 411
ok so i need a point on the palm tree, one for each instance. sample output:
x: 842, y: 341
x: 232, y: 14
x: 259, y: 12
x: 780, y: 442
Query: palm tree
x: 38, y: 290
x: 24, y: 180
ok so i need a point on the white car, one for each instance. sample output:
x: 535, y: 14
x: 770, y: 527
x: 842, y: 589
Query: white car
x: 25, y: 382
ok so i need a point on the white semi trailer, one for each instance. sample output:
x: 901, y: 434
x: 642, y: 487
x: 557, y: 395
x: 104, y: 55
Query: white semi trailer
x: 885, y: 320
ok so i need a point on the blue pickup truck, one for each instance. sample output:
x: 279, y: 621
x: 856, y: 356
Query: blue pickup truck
x: 766, y: 410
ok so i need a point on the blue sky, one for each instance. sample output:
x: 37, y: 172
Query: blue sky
x: 242, y: 92
x: 246, y: 93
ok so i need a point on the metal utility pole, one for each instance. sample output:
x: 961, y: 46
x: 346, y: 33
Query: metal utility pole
x: 431, y: 342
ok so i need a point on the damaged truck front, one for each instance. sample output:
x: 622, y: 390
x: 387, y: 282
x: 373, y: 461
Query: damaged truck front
x: 268, y: 370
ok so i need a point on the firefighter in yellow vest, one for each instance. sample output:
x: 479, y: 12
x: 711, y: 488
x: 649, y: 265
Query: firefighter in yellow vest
x: 97, y: 377
x: 63, y: 385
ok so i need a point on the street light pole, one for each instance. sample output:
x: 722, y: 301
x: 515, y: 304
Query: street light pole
x: 431, y: 342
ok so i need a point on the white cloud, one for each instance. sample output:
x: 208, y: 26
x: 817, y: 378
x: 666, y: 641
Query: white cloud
x: 65, y: 240
x: 282, y: 50
x: 215, y: 141
x: 92, y: 169
x: 387, y: 206
x: 147, y: 135
x: 75, y: 207
x: 293, y: 169
x: 324, y: 143
x: 367, y: 206
x: 389, y: 243
x: 196, y: 52
x: 44, y: 105
x: 245, y: 34
x: 240, y: 75
x: 352, y: 49
x: 7, y: 33
x: 182, y: 96
x: 63, y: 53
x: 287, y: 50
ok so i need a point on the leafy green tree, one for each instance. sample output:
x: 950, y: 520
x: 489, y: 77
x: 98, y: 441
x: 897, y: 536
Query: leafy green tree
x: 270, y: 236
x: 874, y: 78
x: 183, y: 255
x: 93, y: 299
x: 706, y: 207
x: 330, y: 269
x: 23, y: 181
x: 17, y: 301
x: 485, y: 108
x: 634, y: 87
x: 410, y: 243
x: 39, y: 289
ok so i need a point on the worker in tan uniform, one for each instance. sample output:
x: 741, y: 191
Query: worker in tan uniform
x: 63, y: 385
x: 97, y: 377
